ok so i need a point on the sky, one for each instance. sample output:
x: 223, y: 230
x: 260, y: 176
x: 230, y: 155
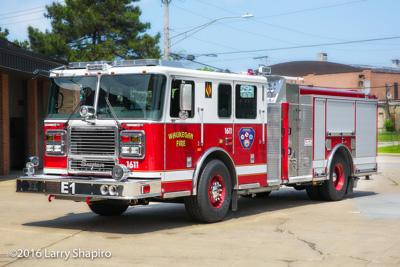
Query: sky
x: 283, y: 31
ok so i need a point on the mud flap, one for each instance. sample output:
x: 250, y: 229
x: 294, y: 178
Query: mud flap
x: 352, y: 184
x: 234, y: 204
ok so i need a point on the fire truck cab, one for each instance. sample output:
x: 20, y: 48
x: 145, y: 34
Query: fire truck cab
x: 130, y: 132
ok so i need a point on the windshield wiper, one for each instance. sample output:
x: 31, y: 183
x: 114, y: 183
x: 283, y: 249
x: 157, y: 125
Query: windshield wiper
x: 113, y: 114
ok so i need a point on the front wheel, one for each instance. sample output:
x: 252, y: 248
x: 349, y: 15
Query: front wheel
x: 335, y: 188
x: 214, y: 194
x: 108, y: 208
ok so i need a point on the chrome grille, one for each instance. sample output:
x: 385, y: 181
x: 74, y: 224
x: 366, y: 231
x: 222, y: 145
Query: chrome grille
x: 91, y: 166
x: 93, y: 141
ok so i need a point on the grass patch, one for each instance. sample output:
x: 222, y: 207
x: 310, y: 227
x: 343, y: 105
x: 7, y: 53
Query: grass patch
x: 389, y: 149
x: 388, y: 137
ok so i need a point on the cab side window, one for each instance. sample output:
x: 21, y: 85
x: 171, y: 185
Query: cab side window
x: 224, y: 101
x: 175, y: 98
x: 246, y: 101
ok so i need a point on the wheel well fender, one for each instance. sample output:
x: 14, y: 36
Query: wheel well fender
x: 214, y: 153
x: 343, y: 150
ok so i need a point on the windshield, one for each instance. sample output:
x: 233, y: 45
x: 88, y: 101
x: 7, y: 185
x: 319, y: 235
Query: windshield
x: 138, y: 96
x: 65, y: 95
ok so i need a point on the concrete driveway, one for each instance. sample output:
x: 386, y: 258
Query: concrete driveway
x: 285, y: 229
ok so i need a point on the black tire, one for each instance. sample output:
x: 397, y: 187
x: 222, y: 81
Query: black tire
x: 107, y: 208
x: 334, y: 189
x: 314, y: 192
x: 214, y: 193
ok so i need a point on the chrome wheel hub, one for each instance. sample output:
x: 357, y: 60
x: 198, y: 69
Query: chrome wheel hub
x: 216, y: 189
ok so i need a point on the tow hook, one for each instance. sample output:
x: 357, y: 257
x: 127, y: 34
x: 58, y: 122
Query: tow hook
x: 51, y: 196
x: 88, y: 201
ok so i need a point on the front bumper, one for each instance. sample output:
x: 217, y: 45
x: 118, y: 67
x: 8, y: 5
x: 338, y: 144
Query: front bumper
x: 80, y: 188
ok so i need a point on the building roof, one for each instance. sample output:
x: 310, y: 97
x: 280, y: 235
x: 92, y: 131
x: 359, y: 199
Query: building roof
x: 16, y: 58
x: 303, y: 68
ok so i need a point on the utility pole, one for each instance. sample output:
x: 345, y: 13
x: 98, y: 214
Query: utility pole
x: 166, y: 28
x: 387, y: 100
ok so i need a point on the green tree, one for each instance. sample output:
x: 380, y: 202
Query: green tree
x: 3, y: 34
x: 389, y: 126
x: 87, y: 30
x: 206, y: 69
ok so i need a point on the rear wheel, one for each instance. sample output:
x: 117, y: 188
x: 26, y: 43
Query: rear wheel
x: 335, y: 188
x: 108, y: 208
x: 214, y: 194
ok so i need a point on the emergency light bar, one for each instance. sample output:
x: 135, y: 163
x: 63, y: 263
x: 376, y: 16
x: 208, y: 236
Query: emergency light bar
x: 100, y: 65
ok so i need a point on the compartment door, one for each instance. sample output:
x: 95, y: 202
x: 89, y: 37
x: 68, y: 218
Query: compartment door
x: 319, y: 161
x: 274, y: 143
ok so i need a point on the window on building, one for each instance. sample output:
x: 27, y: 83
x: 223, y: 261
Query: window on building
x: 246, y: 101
x: 224, y: 101
x: 396, y: 90
x: 175, y: 98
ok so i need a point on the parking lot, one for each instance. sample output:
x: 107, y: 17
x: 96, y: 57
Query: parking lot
x: 284, y: 229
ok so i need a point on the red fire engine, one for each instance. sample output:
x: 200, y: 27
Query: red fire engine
x: 124, y: 133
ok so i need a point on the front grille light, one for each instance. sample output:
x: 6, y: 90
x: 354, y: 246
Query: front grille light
x: 132, y: 144
x: 55, y: 142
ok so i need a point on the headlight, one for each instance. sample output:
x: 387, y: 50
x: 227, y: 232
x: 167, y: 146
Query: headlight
x: 132, y: 144
x: 136, y: 150
x: 55, y: 142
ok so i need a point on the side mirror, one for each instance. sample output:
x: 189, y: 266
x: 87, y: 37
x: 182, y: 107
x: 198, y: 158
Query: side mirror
x: 185, y: 97
x: 62, y: 101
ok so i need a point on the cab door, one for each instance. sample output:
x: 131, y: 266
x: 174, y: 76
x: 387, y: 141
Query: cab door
x: 225, y: 117
x: 182, y: 138
x: 249, y: 135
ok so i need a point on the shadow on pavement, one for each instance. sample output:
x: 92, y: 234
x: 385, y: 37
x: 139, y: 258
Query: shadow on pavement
x: 11, y: 176
x: 164, y: 216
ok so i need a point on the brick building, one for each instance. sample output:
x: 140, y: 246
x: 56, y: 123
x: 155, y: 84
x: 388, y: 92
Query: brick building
x: 22, y: 102
x: 377, y: 81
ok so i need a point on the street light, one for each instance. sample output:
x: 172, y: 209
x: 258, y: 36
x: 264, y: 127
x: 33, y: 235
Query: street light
x: 198, y: 28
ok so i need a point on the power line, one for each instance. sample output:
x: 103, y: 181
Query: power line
x: 209, y: 42
x: 217, y: 7
x: 25, y: 10
x: 16, y: 22
x: 23, y: 14
x: 226, y: 25
x: 308, y: 46
x: 257, y: 19
x: 259, y: 35
x: 311, y: 9
x: 30, y: 9
x: 203, y: 17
